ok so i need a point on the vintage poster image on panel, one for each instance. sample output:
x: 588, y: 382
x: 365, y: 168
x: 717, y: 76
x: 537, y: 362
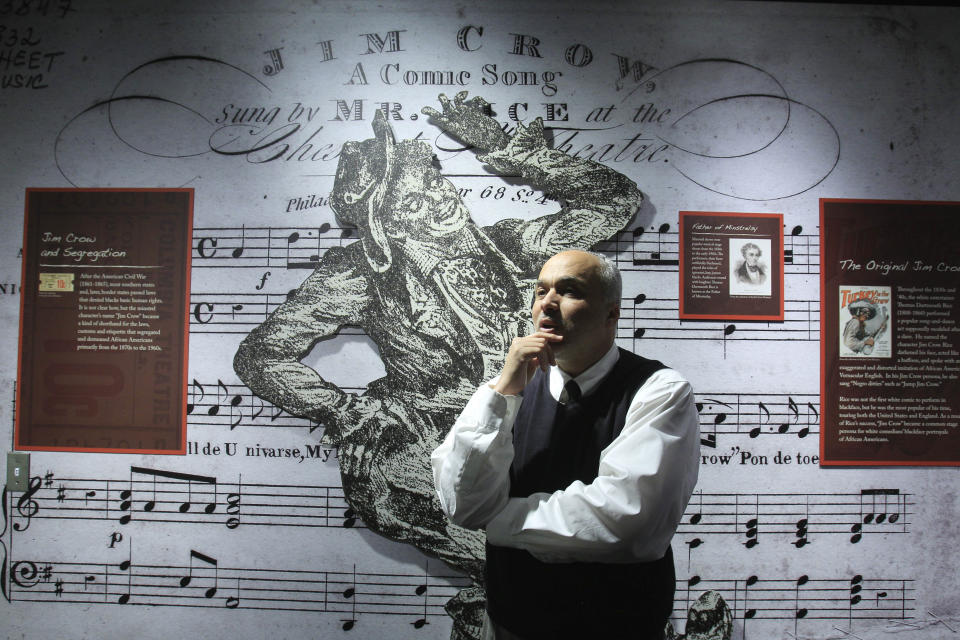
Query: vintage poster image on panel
x: 866, y: 331
x: 890, y: 336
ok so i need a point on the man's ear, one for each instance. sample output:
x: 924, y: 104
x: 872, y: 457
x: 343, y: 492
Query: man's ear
x: 614, y: 314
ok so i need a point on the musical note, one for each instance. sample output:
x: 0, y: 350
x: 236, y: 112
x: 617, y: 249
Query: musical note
x: 236, y: 253
x: 422, y: 590
x: 718, y: 418
x: 215, y: 409
x: 748, y: 612
x: 692, y: 581
x: 190, y: 478
x: 126, y: 503
x: 292, y: 239
x: 233, y: 506
x: 873, y: 515
x: 791, y: 408
x: 211, y: 562
x: 232, y: 602
x: 194, y: 387
x: 657, y: 257
x: 752, y: 525
x: 698, y: 510
x: 756, y: 430
x: 801, y: 612
x: 235, y: 402
x: 254, y: 400
x: 127, y: 566
x: 348, y: 594
x: 802, y: 523
x: 816, y: 421
x: 691, y: 545
x: 856, y: 530
x: 856, y: 585
x: 664, y: 228
x: 151, y: 504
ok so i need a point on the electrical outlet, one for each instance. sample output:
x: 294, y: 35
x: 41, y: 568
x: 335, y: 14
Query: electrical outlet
x: 18, y: 471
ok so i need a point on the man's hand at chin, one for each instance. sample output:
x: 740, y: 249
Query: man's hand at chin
x: 523, y: 358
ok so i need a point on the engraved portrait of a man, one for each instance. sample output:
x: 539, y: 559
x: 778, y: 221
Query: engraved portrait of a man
x: 441, y: 297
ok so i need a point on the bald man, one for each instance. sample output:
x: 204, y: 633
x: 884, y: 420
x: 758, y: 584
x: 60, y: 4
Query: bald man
x: 578, y: 461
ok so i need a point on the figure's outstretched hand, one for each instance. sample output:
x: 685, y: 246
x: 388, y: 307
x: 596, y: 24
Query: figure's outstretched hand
x: 525, y: 355
x: 468, y: 121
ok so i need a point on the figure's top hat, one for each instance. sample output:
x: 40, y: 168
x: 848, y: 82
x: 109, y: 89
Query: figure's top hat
x: 365, y: 173
x: 857, y: 306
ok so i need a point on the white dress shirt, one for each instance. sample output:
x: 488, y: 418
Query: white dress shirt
x: 629, y: 513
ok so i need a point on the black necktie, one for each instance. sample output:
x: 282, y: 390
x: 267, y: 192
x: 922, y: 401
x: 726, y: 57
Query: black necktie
x: 573, y: 392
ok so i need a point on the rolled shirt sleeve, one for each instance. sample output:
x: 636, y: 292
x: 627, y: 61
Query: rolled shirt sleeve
x: 471, y: 467
x: 631, y: 510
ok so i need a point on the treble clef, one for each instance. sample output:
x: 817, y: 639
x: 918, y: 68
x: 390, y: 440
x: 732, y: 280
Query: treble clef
x: 27, y: 507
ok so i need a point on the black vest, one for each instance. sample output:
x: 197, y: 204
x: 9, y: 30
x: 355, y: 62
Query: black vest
x: 554, y: 445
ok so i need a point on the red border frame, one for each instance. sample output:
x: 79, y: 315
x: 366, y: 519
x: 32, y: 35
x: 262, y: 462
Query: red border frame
x: 823, y: 348
x: 701, y: 316
x: 186, y: 325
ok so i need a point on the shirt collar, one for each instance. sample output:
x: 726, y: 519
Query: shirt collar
x: 589, y: 379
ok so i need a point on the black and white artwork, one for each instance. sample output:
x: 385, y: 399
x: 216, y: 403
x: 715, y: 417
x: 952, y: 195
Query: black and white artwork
x: 376, y: 186
x: 750, y: 267
x: 441, y: 297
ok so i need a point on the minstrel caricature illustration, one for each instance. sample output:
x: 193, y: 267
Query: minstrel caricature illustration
x: 441, y: 297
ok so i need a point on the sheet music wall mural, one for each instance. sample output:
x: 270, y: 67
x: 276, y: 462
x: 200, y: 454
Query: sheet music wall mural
x: 365, y: 235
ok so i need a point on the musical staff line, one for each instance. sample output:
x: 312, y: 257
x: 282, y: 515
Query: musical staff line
x: 654, y: 249
x: 206, y: 582
x: 157, y: 496
x: 658, y: 249
x: 726, y: 414
x: 721, y: 414
x: 641, y: 317
x: 233, y: 405
x: 419, y: 596
x: 266, y: 247
x: 218, y: 404
x: 798, y: 518
x: 658, y: 319
x: 161, y: 497
x: 806, y: 598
